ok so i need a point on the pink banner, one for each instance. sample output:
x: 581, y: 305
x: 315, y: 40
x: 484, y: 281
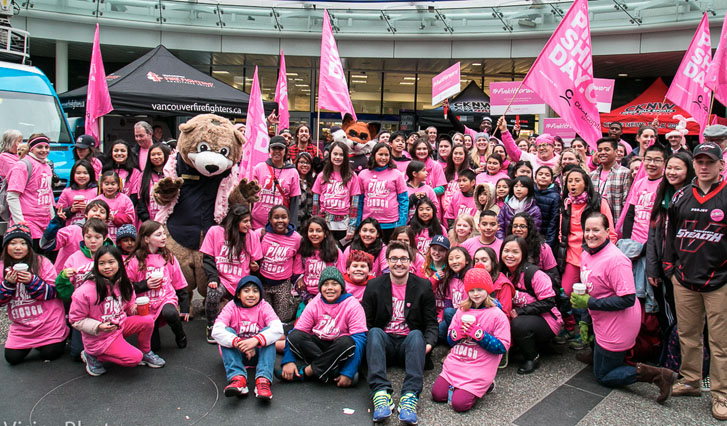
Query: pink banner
x: 255, y: 150
x: 281, y: 95
x: 558, y: 127
x: 332, y: 88
x: 98, y: 100
x: 688, y: 89
x: 563, y: 74
x: 445, y: 84
x: 604, y: 93
x: 716, y: 78
x: 525, y: 102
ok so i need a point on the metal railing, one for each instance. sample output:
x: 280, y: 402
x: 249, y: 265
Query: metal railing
x: 13, y: 44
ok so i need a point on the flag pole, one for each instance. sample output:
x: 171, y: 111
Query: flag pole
x: 711, y: 103
x: 509, y: 105
x: 318, y: 133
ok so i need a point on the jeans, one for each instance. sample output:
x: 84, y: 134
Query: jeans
x: 409, y: 350
x: 447, y: 316
x: 235, y: 361
x: 76, y: 343
x: 609, y: 368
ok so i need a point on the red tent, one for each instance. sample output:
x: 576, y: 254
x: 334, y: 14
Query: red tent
x: 645, y: 108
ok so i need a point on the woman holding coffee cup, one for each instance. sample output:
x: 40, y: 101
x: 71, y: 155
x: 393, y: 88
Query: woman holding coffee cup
x: 27, y: 287
x: 616, y: 315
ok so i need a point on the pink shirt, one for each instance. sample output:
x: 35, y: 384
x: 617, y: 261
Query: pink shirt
x: 335, y: 197
x: 36, y: 196
x: 547, y: 260
x: 543, y: 289
x: 469, y: 366
x: 166, y: 293
x: 143, y: 156
x: 68, y: 241
x: 488, y: 178
x: 7, y: 160
x: 461, y: 205
x: 313, y: 266
x: 84, y: 305
x: 97, y: 166
x: 247, y: 322
x: 356, y: 290
x: 423, y: 239
x: 402, y: 165
x: 516, y: 154
x: 379, y: 262
x: 130, y: 182
x: 67, y: 197
x: 416, y: 266
x: 231, y: 271
x: 455, y: 291
x: 435, y: 173
x: 270, y: 195
x: 279, y: 255
x: 329, y: 321
x: 380, y: 191
x: 609, y: 273
x: 397, y: 325
x: 81, y: 265
x: 151, y: 204
x: 474, y: 244
x: 35, y: 322
x: 450, y: 190
x: 122, y: 210
x: 643, y: 194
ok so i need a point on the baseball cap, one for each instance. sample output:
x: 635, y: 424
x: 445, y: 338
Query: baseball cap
x: 715, y: 131
x: 440, y: 240
x: 85, y: 141
x: 710, y: 149
x: 277, y: 142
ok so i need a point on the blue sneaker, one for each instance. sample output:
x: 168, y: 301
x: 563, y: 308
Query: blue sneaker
x: 94, y: 367
x: 382, y: 406
x: 152, y: 360
x: 408, y: 409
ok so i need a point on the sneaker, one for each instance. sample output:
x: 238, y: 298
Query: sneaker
x: 491, y: 388
x: 408, y: 409
x: 719, y: 408
x: 262, y: 389
x: 211, y: 340
x: 503, y: 361
x: 237, y: 387
x: 685, y: 389
x: 150, y: 359
x: 706, y: 384
x: 383, y: 405
x: 578, y: 344
x: 563, y: 337
x: 94, y: 367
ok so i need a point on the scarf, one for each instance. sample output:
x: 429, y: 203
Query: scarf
x: 517, y: 205
x: 580, y: 199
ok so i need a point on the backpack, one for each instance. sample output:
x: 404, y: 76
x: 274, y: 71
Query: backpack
x: 562, y: 302
x: 4, y: 208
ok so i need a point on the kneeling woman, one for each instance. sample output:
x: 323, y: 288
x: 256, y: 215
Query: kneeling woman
x: 616, y: 316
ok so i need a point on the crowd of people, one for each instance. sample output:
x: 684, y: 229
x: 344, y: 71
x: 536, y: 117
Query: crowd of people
x: 500, y: 248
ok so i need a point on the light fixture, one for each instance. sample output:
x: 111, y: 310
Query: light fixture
x: 298, y: 79
x: 476, y: 64
x: 301, y: 85
x: 220, y: 72
x: 406, y: 83
x: 294, y: 74
x: 623, y: 75
x: 359, y: 76
x: 410, y: 78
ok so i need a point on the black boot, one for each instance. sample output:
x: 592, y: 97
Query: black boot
x: 529, y: 365
x: 179, y: 335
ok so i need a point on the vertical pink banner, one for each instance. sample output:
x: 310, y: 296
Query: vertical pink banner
x: 688, y: 89
x: 98, y: 100
x: 716, y: 78
x: 255, y: 150
x: 332, y: 88
x: 281, y: 95
x: 562, y: 75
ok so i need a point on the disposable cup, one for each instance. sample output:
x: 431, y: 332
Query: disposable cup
x: 468, y: 318
x: 157, y: 274
x: 142, y: 305
x: 579, y: 288
x: 20, y: 267
x: 79, y: 198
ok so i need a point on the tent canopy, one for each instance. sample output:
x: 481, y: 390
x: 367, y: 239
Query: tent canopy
x: 160, y: 84
x: 646, y: 107
x: 472, y: 99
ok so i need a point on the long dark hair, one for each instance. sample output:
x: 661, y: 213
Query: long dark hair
x: 371, y: 164
x: 310, y: 178
x: 434, y: 226
x: 451, y: 168
x: 518, y: 165
x: 31, y: 259
x: 534, y: 239
x: 449, y: 273
x: 527, y: 183
x: 515, y: 275
x: 148, y: 170
x: 92, y: 153
x: 328, y: 251
x: 231, y: 224
x: 665, y: 189
x: 112, y: 174
x: 141, y: 249
x: 593, y: 202
x: 91, y: 174
x: 109, y: 164
x: 495, y: 272
x: 103, y: 283
x: 346, y: 173
x: 375, y: 248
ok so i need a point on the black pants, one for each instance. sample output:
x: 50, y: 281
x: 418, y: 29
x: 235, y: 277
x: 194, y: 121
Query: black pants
x: 529, y: 332
x: 47, y: 352
x: 213, y: 300
x: 170, y: 314
x: 324, y: 356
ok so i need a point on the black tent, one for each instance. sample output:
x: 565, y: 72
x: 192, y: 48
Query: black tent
x: 160, y: 84
x: 471, y: 100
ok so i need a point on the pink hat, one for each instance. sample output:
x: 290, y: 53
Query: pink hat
x: 545, y: 138
x: 478, y: 277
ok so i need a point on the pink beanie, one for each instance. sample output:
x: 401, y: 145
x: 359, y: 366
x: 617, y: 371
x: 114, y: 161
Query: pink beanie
x: 545, y: 138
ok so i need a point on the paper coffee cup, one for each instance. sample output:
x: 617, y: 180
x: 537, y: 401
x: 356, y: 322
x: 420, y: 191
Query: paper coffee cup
x: 20, y: 267
x: 79, y: 198
x: 142, y: 305
x: 157, y: 274
x: 579, y: 288
x: 468, y: 318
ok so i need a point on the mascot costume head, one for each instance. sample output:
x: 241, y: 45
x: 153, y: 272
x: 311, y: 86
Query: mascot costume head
x: 360, y: 139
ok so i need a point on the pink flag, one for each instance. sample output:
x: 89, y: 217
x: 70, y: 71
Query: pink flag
x: 332, y: 88
x: 98, y: 100
x: 688, y: 89
x: 281, y: 95
x: 562, y: 75
x: 716, y: 78
x: 255, y: 150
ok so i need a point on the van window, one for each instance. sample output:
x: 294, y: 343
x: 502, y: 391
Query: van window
x: 32, y: 113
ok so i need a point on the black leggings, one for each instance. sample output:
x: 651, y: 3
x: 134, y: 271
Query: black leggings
x: 170, y: 314
x: 47, y: 352
x: 528, y: 332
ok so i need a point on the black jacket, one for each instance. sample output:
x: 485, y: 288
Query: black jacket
x: 419, y: 310
x: 548, y: 200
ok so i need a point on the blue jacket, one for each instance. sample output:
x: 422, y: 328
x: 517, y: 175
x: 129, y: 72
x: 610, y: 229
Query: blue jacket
x: 548, y: 201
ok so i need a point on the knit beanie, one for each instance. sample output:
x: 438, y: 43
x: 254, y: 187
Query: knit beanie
x: 18, y: 231
x: 331, y: 273
x: 126, y: 231
x: 481, y: 135
x: 478, y: 277
x: 545, y: 138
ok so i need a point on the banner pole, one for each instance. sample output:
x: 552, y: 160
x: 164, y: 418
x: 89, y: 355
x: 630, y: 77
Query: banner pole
x: 508, y: 105
x: 318, y: 133
x: 711, y: 103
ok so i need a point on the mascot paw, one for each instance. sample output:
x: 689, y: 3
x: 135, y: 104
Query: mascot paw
x: 167, y: 189
x: 248, y: 191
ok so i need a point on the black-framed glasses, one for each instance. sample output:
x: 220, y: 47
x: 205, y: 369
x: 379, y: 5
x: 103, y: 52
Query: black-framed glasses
x: 396, y: 260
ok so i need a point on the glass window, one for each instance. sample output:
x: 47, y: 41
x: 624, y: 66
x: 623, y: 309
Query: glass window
x: 398, y: 92
x: 299, y: 87
x: 365, y: 88
x: 424, y: 91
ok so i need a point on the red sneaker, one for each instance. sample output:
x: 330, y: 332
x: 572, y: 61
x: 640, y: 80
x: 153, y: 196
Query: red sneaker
x: 262, y: 389
x: 237, y: 387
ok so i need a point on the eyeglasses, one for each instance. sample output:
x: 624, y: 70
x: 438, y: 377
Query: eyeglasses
x: 653, y: 160
x: 514, y: 226
x: 396, y: 260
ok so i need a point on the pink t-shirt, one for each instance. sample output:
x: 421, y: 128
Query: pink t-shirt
x: 379, y: 262
x: 547, y: 260
x: 313, y: 266
x: 491, y: 179
x: 270, y: 195
x: 81, y: 264
x: 97, y: 166
x: 426, y: 189
x: 455, y: 291
x: 416, y: 266
x: 67, y: 197
x: 643, y: 194
x: 122, y: 210
x: 84, y: 305
x: 130, y: 182
x: 279, y: 255
x: 461, y: 205
x: 380, y: 191
x: 231, y: 271
x: 435, y: 173
x: 247, y: 322
x: 329, y: 321
x: 151, y: 204
x: 450, y: 190
x: 143, y: 156
x: 423, y: 240
x: 68, y: 241
x: 335, y: 197
x: 543, y: 289
x: 609, y: 273
x: 7, y: 160
x: 35, y: 322
x: 474, y: 244
x: 166, y: 293
x: 468, y: 357
x: 397, y: 324
x: 402, y: 165
x: 356, y: 290
x: 36, y: 197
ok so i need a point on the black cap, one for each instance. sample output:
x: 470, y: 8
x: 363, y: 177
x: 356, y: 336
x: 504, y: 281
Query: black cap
x: 277, y: 142
x: 85, y: 141
x: 710, y: 149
